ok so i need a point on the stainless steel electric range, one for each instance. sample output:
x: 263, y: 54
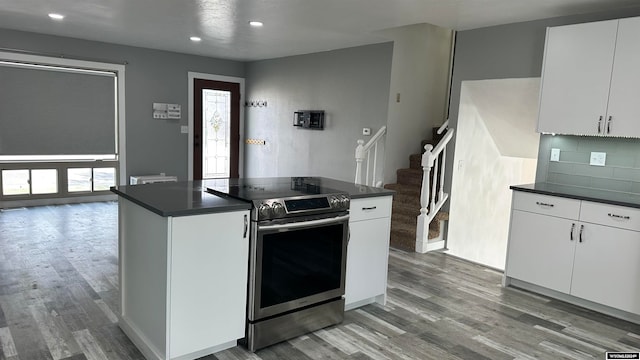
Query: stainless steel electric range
x: 298, y: 253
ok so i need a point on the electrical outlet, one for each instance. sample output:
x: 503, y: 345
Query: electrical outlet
x: 598, y: 158
x: 555, y: 155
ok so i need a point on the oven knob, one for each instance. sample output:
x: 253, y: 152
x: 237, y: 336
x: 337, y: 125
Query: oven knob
x: 264, y: 211
x: 334, y: 202
x: 344, y: 200
x: 278, y: 209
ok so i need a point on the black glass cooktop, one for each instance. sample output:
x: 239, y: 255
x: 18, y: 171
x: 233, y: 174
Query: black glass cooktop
x: 269, y: 188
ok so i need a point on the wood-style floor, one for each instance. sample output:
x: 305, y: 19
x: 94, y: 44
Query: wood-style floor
x: 59, y: 291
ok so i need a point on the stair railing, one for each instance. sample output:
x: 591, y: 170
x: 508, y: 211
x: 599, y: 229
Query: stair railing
x: 364, y: 151
x: 432, y: 197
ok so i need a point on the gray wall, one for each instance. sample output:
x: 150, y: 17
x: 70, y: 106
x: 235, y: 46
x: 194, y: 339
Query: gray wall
x: 508, y: 51
x: 153, y: 146
x: 350, y: 85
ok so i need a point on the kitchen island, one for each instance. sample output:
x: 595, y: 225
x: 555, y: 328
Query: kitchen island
x: 183, y: 264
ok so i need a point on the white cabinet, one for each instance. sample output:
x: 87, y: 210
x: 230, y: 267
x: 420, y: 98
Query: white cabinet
x: 183, y: 281
x: 606, y: 269
x: 587, y: 250
x: 537, y: 239
x: 590, y: 79
x: 624, y: 107
x: 368, y: 251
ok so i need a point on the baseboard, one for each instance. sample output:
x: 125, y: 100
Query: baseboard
x: 620, y: 314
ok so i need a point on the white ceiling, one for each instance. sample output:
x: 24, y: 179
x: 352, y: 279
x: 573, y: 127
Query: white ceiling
x: 291, y: 27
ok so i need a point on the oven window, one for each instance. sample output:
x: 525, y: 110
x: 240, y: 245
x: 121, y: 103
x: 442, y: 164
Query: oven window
x: 300, y: 263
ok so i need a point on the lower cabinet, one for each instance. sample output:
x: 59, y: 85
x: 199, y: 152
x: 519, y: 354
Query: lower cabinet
x: 183, y: 281
x: 591, y: 254
x: 540, y: 249
x: 606, y: 268
x: 368, y: 251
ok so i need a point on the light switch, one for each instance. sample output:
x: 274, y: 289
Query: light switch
x: 555, y: 155
x: 366, y: 131
x: 184, y: 129
x: 598, y: 158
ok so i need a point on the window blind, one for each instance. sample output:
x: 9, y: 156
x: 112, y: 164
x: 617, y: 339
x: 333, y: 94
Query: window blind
x: 46, y: 110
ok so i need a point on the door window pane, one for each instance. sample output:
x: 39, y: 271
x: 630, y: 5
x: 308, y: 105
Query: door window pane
x: 79, y: 179
x: 15, y: 182
x: 44, y: 181
x: 216, y: 134
x: 103, y: 178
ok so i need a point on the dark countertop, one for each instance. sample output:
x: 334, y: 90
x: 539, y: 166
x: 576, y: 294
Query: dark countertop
x: 355, y: 191
x: 181, y: 198
x: 580, y: 193
x: 185, y: 198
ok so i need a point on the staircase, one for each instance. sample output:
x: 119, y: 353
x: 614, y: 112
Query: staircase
x: 406, y: 204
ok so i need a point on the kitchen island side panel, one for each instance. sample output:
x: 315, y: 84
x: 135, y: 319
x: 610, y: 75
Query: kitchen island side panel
x: 143, y: 277
x: 208, y: 282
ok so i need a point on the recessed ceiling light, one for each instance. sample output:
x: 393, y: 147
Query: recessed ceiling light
x: 255, y: 23
x: 195, y: 38
x: 56, y: 16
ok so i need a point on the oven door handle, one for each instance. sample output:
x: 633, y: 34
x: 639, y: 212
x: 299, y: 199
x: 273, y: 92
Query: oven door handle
x: 300, y: 224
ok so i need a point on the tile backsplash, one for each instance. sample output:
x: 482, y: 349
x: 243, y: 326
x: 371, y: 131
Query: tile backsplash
x: 620, y: 173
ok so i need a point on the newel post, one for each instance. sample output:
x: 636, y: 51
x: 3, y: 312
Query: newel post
x: 422, y: 230
x: 359, y: 158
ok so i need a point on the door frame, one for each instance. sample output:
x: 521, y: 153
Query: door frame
x: 196, y: 75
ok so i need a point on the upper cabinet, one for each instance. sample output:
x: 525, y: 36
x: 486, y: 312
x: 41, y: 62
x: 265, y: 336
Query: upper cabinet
x: 590, y: 79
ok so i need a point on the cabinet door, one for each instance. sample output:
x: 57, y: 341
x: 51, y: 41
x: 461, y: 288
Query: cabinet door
x: 606, y: 269
x: 624, y: 107
x: 208, y: 281
x: 575, y: 78
x: 541, y: 250
x: 367, y: 259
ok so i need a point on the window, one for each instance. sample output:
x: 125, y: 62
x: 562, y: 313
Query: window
x: 44, y: 181
x: 61, y: 127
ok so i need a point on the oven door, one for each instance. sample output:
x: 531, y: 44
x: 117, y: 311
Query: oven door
x: 297, y: 264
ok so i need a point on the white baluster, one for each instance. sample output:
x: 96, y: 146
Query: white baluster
x: 359, y: 158
x: 434, y: 185
x: 442, y: 170
x: 368, y: 164
x: 375, y: 162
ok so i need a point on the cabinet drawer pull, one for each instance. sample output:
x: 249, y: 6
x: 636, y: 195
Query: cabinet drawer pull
x: 544, y: 204
x: 573, y: 226
x: 369, y: 208
x: 246, y: 227
x: 609, y: 124
x: 623, y: 217
x: 581, y: 228
x: 600, y: 125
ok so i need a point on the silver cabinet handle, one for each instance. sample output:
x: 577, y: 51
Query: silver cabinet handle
x: 600, y: 125
x: 581, y: 228
x: 573, y: 226
x: 544, y: 204
x: 623, y: 217
x: 369, y: 208
x: 609, y: 124
x: 246, y: 226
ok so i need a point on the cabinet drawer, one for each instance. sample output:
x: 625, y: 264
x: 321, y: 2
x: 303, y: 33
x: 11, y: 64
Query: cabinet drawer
x: 370, y: 208
x: 546, y: 205
x: 610, y: 215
